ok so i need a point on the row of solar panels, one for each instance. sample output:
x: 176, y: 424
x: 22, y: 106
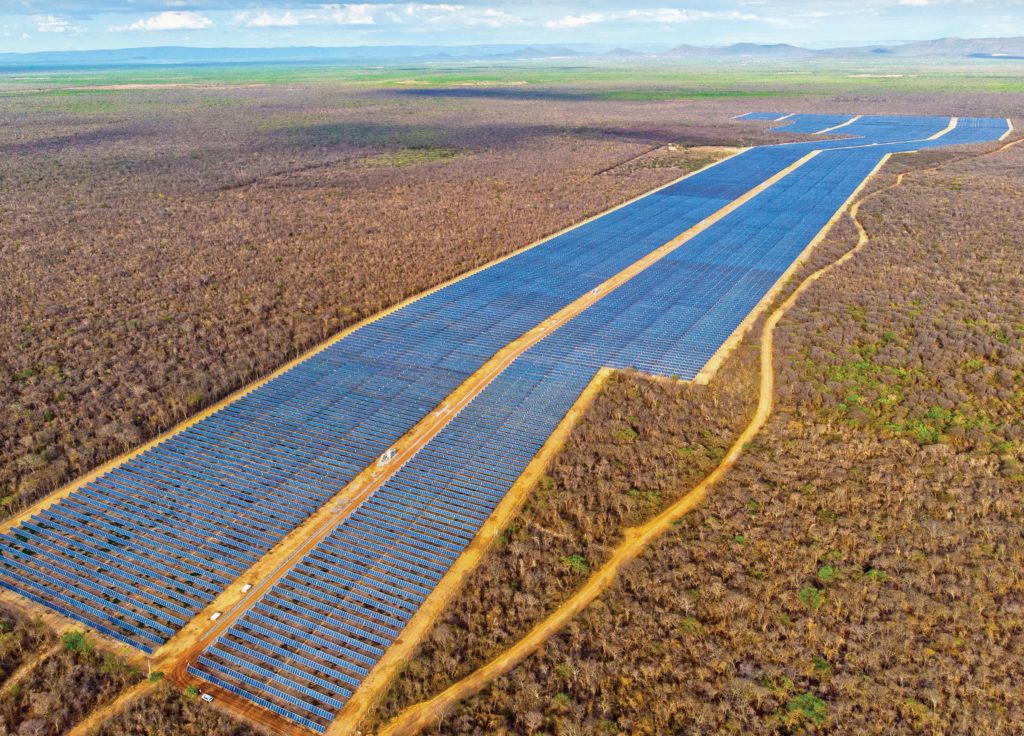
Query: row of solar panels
x: 886, y: 130
x: 374, y: 571
x: 182, y: 520
x: 127, y: 555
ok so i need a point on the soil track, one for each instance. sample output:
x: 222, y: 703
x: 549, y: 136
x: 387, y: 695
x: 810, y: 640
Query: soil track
x: 374, y: 684
x: 19, y: 674
x: 637, y: 539
x: 285, y: 558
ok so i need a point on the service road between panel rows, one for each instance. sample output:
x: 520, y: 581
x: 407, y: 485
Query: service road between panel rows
x: 178, y: 653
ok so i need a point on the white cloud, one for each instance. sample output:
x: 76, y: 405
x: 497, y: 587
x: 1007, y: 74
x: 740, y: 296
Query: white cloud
x: 371, y: 14
x: 917, y: 3
x: 445, y: 14
x: 54, y: 24
x: 664, y: 15
x: 493, y: 19
x: 351, y: 14
x: 427, y: 12
x: 265, y: 19
x: 577, y: 21
x: 169, y: 20
x: 681, y: 15
x: 654, y: 15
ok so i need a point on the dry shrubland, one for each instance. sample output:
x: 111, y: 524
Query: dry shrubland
x: 48, y: 684
x: 636, y: 446
x: 166, y: 711
x: 61, y: 687
x: 160, y: 248
x: 21, y: 639
x: 859, y: 571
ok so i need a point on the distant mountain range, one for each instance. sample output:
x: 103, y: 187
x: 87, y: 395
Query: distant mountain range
x: 948, y: 48
x: 737, y: 50
x: 939, y: 48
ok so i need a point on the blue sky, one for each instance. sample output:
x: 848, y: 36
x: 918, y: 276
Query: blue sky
x: 34, y: 25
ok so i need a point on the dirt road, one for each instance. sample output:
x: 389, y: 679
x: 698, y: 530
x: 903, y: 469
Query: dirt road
x: 429, y: 712
x: 637, y: 539
x: 410, y: 445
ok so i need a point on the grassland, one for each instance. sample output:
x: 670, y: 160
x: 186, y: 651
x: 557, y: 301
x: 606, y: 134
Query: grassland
x: 638, y: 81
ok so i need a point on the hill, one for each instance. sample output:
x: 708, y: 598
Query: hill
x: 942, y: 48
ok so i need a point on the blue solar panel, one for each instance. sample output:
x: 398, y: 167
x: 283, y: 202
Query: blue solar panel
x: 668, y: 320
x: 761, y: 116
x: 140, y: 550
x: 811, y: 123
x: 195, y: 511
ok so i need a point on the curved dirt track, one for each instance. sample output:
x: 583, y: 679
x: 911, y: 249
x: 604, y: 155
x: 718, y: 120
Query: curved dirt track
x: 19, y: 674
x: 95, y: 719
x: 429, y: 712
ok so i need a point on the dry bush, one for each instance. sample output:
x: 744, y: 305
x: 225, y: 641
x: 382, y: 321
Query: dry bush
x: 638, y: 446
x: 859, y: 571
x: 20, y: 639
x: 58, y: 686
x: 61, y: 689
x: 159, y: 248
x: 168, y: 712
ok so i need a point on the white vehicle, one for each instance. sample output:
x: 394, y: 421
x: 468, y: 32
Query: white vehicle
x: 387, y: 457
x: 207, y: 697
x: 247, y: 587
x: 215, y: 616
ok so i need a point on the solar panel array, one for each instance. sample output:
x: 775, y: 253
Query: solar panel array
x: 869, y: 131
x: 360, y: 587
x: 761, y: 116
x: 139, y: 551
x: 893, y: 134
x: 971, y: 130
x: 891, y: 128
x: 811, y: 123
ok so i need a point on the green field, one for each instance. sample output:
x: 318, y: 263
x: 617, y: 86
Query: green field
x: 635, y: 81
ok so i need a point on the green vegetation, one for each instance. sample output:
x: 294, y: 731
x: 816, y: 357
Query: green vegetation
x: 627, y: 434
x: 665, y: 80
x: 811, y: 597
x: 876, y: 575
x: 827, y: 573
x: 576, y: 563
x: 411, y: 156
x: 691, y: 626
x: 807, y: 706
x: 76, y: 641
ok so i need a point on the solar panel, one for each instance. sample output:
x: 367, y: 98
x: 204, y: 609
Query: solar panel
x: 170, y: 528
